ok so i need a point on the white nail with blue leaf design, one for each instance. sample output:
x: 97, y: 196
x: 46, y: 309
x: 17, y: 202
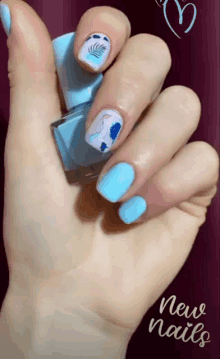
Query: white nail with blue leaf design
x: 95, y: 50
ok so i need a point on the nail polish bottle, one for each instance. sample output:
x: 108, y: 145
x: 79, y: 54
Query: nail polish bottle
x: 79, y: 88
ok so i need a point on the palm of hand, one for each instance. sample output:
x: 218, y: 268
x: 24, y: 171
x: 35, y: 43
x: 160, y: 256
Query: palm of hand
x: 61, y: 245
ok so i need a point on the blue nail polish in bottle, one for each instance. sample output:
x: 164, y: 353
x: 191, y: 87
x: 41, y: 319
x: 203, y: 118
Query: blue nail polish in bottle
x: 79, y: 89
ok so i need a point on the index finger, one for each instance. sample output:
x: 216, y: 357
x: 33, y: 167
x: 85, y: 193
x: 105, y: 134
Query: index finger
x: 100, y: 35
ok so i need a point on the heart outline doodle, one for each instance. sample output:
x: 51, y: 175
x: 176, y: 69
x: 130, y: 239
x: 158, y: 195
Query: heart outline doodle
x: 181, y: 11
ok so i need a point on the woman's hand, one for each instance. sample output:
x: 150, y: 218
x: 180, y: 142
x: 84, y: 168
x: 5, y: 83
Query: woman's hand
x: 66, y: 244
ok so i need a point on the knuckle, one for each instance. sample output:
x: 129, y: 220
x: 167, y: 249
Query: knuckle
x: 184, y: 96
x: 160, y: 49
x: 167, y: 190
x: 11, y: 77
x: 187, y: 101
x: 208, y: 155
x: 155, y: 48
x: 143, y: 53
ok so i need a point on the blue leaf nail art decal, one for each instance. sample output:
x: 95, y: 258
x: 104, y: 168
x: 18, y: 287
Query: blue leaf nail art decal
x: 95, y: 50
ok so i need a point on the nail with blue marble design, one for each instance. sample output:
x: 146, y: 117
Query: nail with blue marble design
x: 95, y: 51
x: 104, y: 130
x: 5, y: 18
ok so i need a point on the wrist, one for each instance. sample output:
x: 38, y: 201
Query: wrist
x: 80, y: 334
x: 40, y: 331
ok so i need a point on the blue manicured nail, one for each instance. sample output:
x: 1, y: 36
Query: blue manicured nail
x: 116, y: 181
x: 5, y: 18
x: 131, y: 210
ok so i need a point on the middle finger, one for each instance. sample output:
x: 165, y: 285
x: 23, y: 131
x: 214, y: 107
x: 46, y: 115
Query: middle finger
x: 171, y: 120
x: 128, y: 87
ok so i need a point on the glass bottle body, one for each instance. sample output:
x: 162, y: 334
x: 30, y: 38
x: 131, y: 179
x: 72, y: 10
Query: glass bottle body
x: 84, y: 161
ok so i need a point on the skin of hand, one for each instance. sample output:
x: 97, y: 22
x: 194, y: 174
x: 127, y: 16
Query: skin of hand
x: 65, y: 244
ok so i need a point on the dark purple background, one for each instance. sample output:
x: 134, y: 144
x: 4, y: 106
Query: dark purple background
x: 196, y: 65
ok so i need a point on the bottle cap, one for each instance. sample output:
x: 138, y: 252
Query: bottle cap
x: 78, y: 85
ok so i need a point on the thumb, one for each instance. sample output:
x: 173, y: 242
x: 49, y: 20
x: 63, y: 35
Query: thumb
x: 34, y: 98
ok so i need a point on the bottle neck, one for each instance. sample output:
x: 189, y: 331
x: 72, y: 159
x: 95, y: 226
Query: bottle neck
x: 74, y: 109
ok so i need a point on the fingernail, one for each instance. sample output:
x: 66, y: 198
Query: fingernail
x: 115, y: 183
x: 5, y: 18
x: 131, y: 210
x: 95, y: 50
x: 104, y: 130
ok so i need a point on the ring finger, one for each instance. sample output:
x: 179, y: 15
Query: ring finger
x: 168, y: 125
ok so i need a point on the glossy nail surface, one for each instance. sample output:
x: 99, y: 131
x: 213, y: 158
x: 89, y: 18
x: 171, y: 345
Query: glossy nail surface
x: 5, y: 18
x: 132, y: 209
x: 104, y: 130
x: 95, y: 50
x: 115, y: 183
